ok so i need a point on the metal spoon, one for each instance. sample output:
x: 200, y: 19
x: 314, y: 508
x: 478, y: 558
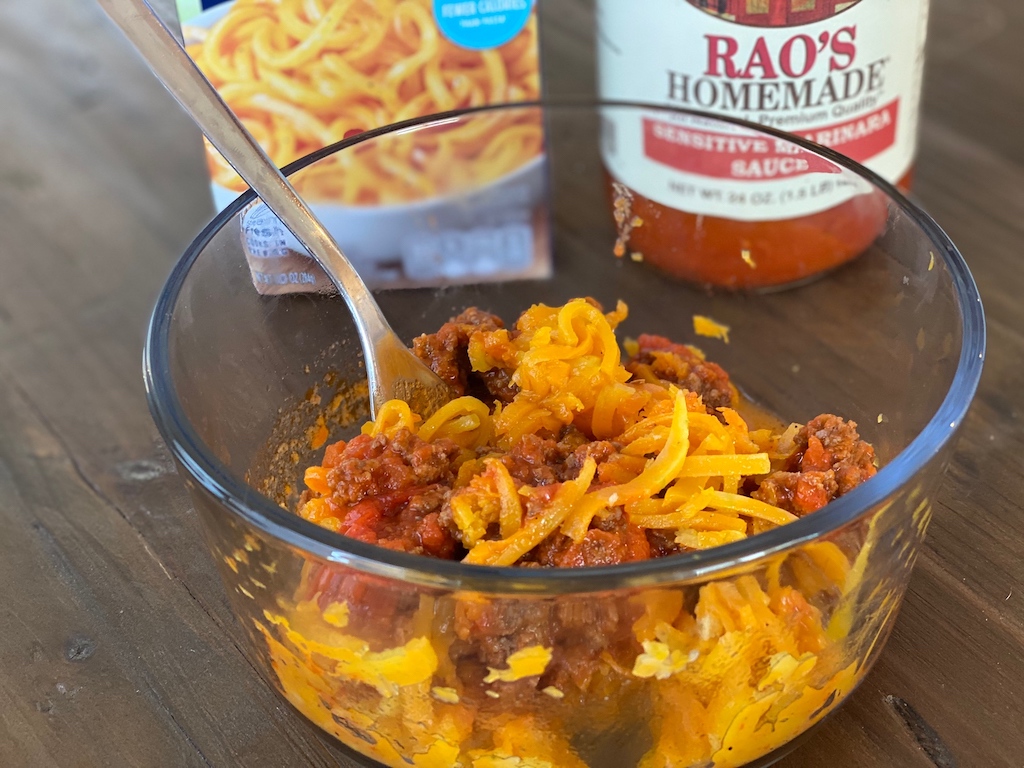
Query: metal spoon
x: 392, y: 370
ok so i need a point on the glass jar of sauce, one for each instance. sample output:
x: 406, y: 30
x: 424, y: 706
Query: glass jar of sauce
x: 737, y: 211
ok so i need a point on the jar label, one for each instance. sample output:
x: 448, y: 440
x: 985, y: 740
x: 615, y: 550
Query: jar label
x: 843, y: 74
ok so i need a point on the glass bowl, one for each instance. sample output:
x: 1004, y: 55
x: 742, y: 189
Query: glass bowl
x: 720, y: 657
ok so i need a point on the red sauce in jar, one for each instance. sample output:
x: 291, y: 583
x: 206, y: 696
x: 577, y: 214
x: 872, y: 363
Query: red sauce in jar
x: 733, y: 254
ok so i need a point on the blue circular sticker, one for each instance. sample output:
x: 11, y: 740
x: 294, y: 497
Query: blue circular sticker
x: 481, y: 24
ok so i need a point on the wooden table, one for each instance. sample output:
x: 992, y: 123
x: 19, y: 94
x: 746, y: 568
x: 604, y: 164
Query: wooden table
x: 116, y: 642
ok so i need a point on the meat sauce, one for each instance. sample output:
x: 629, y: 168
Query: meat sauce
x: 395, y: 491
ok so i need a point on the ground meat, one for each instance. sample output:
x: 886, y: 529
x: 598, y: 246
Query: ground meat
x: 391, y: 492
x: 512, y: 625
x: 534, y: 461
x: 829, y: 459
x: 447, y: 353
x: 611, y: 541
x: 662, y: 542
x: 685, y: 367
x: 571, y: 437
x: 596, y: 549
x: 834, y: 443
x: 375, y: 466
x: 488, y: 632
x: 542, y: 461
x: 599, y: 450
x: 798, y: 492
x: 585, y: 631
x: 577, y: 629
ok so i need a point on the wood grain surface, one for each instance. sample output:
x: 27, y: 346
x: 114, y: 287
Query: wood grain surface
x: 117, y: 646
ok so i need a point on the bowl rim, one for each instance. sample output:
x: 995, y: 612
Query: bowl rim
x: 262, y: 513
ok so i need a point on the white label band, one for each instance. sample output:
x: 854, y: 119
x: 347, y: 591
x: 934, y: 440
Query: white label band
x: 851, y: 81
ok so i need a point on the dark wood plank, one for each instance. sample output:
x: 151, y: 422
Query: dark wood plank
x: 116, y: 643
x: 974, y: 65
x: 121, y: 642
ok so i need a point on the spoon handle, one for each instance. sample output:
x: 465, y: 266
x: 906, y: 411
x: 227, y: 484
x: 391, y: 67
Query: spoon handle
x: 180, y: 75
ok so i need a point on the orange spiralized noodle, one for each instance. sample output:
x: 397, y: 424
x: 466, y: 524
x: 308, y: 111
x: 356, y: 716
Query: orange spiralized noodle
x: 465, y: 420
x: 303, y: 74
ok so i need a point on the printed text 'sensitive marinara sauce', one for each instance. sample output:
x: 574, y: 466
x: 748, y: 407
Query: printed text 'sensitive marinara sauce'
x: 728, y: 208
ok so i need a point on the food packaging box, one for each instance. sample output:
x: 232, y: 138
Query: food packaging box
x: 461, y: 202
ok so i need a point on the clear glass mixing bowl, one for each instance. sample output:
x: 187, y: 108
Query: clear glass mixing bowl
x: 721, y: 657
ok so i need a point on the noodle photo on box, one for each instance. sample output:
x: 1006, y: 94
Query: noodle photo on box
x: 304, y: 75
